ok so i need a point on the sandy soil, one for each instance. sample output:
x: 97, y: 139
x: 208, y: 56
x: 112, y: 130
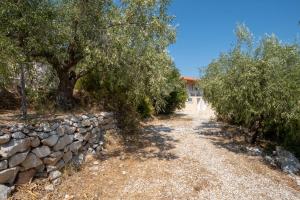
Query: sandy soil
x: 179, y: 158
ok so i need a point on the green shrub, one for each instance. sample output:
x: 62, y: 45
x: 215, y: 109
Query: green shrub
x: 145, y: 108
x: 259, y: 88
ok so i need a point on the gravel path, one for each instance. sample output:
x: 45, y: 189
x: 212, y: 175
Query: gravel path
x: 178, y: 161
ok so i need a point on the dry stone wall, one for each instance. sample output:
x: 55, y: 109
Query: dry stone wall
x: 41, y: 150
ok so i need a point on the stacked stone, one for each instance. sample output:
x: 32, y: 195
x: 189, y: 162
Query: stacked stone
x: 28, y: 151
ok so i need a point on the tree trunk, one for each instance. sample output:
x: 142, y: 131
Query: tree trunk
x: 64, y: 98
x: 22, y: 92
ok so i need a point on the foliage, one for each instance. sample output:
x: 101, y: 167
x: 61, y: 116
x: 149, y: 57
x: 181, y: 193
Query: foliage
x: 258, y: 88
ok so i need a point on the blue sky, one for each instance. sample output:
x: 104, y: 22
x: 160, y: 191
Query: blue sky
x: 206, y: 27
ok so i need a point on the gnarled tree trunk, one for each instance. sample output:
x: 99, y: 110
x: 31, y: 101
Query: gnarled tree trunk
x: 64, y: 96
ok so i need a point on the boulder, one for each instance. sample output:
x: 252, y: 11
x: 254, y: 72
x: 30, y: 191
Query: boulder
x: 50, y: 141
x: 62, y: 142
x: 287, y: 161
x: 4, y: 138
x: 25, y: 177
x: 32, y: 161
x: 3, y: 164
x: 14, y: 146
x: 17, y: 159
x: 4, y: 192
x: 42, y: 151
x: 8, y: 175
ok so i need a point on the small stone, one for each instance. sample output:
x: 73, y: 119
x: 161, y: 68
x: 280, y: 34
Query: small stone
x: 25, y: 177
x: 78, y: 136
x: 74, y: 119
x: 33, y: 134
x: 86, y: 123
x: 67, y: 156
x: 81, y: 130
x: 4, y: 192
x: 63, y: 141
x: 17, y: 159
x: 8, y: 175
x: 25, y: 130
x: 94, y: 168
x: 3, y: 164
x: 18, y: 135
x: 54, y: 126
x: 84, y: 117
x: 14, y: 146
x: 31, y: 161
x: 50, y: 168
x: 60, y: 164
x: 61, y: 130
x: 123, y: 172
x: 43, y: 135
x: 96, y: 162
x: 4, y: 138
x: 46, y: 127
x: 56, y: 182
x: 49, y: 188
x: 54, y: 175
x: 42, y: 151
x: 75, y: 146
x: 50, y: 141
x: 53, y: 158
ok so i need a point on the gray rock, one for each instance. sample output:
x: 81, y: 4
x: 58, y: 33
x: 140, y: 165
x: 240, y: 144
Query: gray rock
x: 81, y: 130
x: 86, y: 123
x: 42, y: 151
x: 60, y: 164
x: 14, y: 146
x: 71, y: 130
x: 3, y: 164
x: 75, y: 146
x: 32, y: 161
x: 18, y: 135
x: 43, y: 135
x: 54, y: 175
x: 56, y: 182
x: 78, y: 160
x: 53, y: 160
x: 61, y: 130
x: 75, y: 119
x: 1, y: 133
x: 287, y: 161
x: 67, y: 156
x: 25, y: 130
x: 4, y: 138
x: 84, y: 117
x: 33, y: 134
x: 17, y: 159
x: 4, y: 192
x: 54, y: 126
x: 46, y: 127
x: 50, y: 141
x: 8, y: 175
x: 87, y: 136
x: 35, y: 142
x: 78, y: 136
x: 63, y: 141
x: 51, y: 168
x: 270, y: 160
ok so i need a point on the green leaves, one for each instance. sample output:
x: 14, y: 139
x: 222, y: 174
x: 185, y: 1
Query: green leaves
x: 246, y: 86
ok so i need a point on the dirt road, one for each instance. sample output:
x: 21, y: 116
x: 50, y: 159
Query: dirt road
x: 177, y: 160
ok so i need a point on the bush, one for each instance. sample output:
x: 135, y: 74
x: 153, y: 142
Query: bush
x: 145, y: 109
x: 258, y: 89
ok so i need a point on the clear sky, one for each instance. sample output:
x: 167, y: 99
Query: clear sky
x: 206, y: 27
